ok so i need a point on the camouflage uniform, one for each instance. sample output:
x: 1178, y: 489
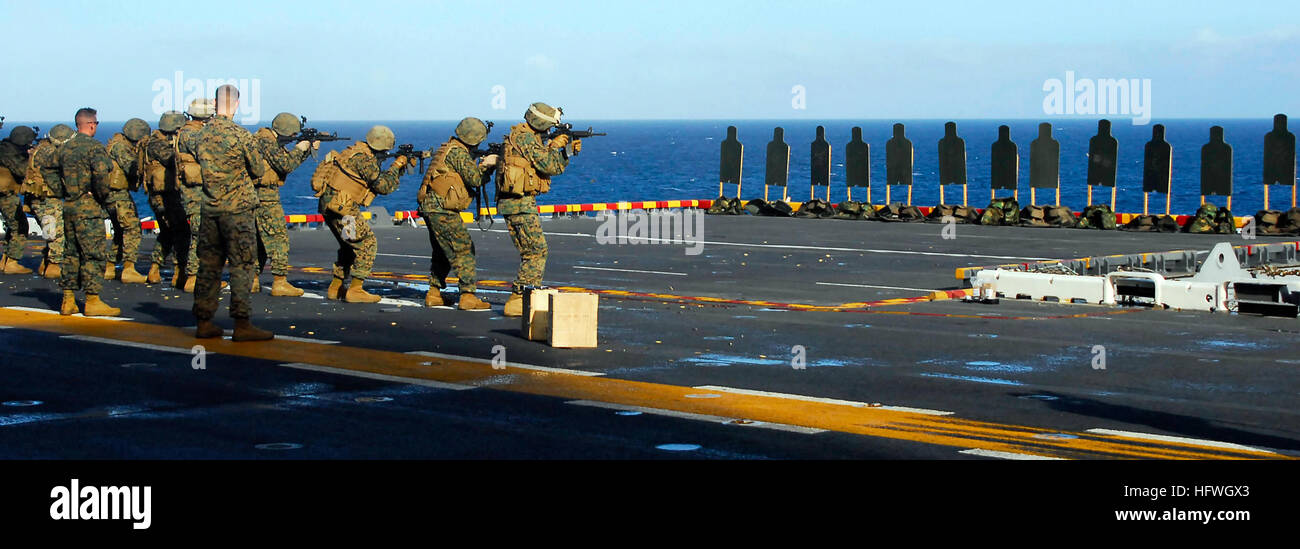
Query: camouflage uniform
x: 84, y: 169
x: 166, y: 202
x: 191, y: 196
x: 356, y: 258
x: 520, y: 210
x: 14, y: 159
x: 272, y: 237
x: 228, y: 232
x: 119, y: 205
x: 452, y: 246
x: 43, y: 195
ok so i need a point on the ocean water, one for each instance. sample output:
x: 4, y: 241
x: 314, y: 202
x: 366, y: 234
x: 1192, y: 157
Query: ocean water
x: 669, y: 160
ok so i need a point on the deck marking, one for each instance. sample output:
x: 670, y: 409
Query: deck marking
x: 950, y: 431
x: 873, y: 286
x: 508, y: 364
x: 697, y: 417
x: 628, y: 270
x: 1004, y: 455
x: 1182, y: 440
x: 53, y: 312
x: 855, y: 404
x: 120, y: 343
x: 380, y: 377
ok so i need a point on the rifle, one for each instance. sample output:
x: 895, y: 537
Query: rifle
x: 309, y: 134
x: 408, y: 150
x: 479, y: 192
x: 567, y: 129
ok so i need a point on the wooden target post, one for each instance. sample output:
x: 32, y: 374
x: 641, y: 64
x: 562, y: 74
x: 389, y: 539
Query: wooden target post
x: 899, y: 160
x: 857, y: 164
x: 778, y: 164
x: 952, y: 162
x: 1044, y: 164
x: 1157, y: 169
x: 1004, y: 165
x: 1216, y: 167
x: 1279, y: 159
x: 821, y: 165
x: 733, y: 162
x: 1103, y: 161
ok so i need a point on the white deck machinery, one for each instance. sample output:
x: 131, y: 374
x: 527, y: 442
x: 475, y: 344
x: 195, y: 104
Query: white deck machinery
x: 1219, y: 284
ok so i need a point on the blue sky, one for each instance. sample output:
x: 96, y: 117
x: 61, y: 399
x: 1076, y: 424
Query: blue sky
x: 668, y: 59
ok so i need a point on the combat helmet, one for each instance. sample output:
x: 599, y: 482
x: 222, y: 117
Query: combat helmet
x: 202, y: 109
x: 471, y: 131
x: 135, y: 129
x: 22, y: 136
x: 171, y: 121
x: 541, y: 116
x: 285, y: 124
x: 380, y: 138
x: 60, y: 133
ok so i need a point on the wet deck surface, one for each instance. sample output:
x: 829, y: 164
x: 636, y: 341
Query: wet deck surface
x: 950, y: 377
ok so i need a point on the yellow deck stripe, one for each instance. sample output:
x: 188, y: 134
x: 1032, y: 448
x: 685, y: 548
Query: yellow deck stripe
x: 876, y: 422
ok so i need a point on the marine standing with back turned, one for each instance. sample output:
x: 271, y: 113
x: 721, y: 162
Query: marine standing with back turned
x: 84, y: 169
x: 44, y: 193
x: 445, y: 193
x: 191, y: 177
x: 272, y: 237
x: 346, y: 181
x: 525, y: 172
x: 123, y: 148
x: 229, y: 160
x: 13, y: 169
x: 158, y: 170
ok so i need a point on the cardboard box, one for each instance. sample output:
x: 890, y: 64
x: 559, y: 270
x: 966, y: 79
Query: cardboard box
x: 537, y: 314
x: 573, y: 320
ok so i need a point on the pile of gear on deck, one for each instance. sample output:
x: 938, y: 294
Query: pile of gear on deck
x: 1007, y: 211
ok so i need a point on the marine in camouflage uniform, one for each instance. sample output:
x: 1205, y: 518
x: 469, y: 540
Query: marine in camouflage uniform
x: 84, y: 169
x: 229, y: 159
x: 272, y: 236
x: 452, y: 177
x: 525, y: 173
x: 13, y: 169
x: 158, y: 169
x: 123, y: 148
x: 191, y: 188
x: 44, y: 196
x: 356, y: 179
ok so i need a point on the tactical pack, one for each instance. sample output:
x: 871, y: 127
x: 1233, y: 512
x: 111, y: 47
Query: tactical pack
x: 898, y: 211
x: 152, y: 172
x: 1152, y: 223
x: 517, y: 176
x: 7, y: 182
x: 851, y: 209
x: 776, y: 208
x: 1211, y: 219
x: 726, y: 206
x: 815, y: 208
x: 117, y: 178
x: 1097, y: 216
x: 1001, y: 211
x: 962, y: 214
x: 1277, y: 222
x: 351, y: 191
x: 444, y: 182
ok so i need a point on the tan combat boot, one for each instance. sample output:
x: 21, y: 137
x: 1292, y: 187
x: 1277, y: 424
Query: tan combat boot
x: 357, y: 294
x: 280, y: 287
x: 515, y: 305
x: 69, y: 303
x: 176, y: 274
x: 53, y: 271
x: 130, y: 275
x: 110, y: 271
x: 245, y: 331
x: 433, y: 298
x: 257, y: 285
x: 207, y: 329
x: 470, y: 302
x: 189, y: 283
x: 335, y: 291
x: 13, y: 268
x: 155, y: 274
x: 95, y: 307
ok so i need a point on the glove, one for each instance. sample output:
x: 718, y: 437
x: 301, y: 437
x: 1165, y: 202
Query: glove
x: 315, y: 145
x: 400, y: 163
x: 560, y: 141
x: 302, y: 146
x: 488, y: 161
x: 577, y: 146
x: 348, y: 230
